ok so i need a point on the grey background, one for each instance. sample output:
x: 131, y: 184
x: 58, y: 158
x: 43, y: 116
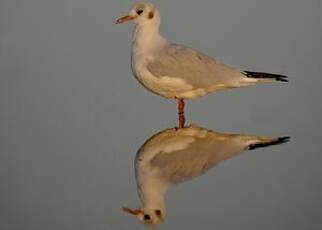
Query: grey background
x: 72, y: 116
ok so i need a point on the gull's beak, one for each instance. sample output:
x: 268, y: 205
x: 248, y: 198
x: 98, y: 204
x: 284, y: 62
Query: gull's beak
x: 124, y: 19
x: 134, y: 212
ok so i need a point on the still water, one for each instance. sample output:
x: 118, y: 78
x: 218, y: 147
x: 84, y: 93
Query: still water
x: 80, y: 138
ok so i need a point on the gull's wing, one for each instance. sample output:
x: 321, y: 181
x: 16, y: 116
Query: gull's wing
x: 179, y: 155
x: 194, y: 68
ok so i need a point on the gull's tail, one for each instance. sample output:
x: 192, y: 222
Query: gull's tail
x: 265, y: 76
x: 264, y: 142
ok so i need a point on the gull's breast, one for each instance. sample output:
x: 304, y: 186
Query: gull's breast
x: 166, y: 86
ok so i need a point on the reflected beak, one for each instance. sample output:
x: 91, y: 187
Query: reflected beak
x: 124, y: 19
x: 134, y: 212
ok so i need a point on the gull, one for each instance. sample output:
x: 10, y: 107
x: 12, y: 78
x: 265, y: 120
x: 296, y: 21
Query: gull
x: 176, y: 71
x: 174, y: 156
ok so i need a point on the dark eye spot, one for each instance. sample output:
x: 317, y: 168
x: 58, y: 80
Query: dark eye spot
x: 151, y: 15
x: 139, y: 12
x: 158, y: 212
x: 147, y: 217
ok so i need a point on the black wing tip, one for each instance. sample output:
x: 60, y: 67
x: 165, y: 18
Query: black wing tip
x: 281, y: 78
x: 278, y: 141
x: 276, y: 77
x: 285, y: 139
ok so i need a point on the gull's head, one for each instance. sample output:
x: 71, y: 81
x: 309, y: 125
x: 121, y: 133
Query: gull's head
x: 147, y: 216
x: 142, y: 14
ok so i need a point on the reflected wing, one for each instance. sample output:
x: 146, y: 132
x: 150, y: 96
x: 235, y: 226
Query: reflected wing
x: 179, y: 155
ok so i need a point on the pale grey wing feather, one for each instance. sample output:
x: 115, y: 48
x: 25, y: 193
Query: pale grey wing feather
x: 179, y: 155
x: 194, y: 67
x: 201, y: 155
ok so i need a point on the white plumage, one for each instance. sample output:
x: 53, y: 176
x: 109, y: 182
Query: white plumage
x: 176, y: 71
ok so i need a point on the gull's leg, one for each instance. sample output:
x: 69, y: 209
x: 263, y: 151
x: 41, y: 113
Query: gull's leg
x: 182, y: 119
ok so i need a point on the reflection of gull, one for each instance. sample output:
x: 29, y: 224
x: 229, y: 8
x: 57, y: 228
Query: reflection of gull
x: 176, y: 155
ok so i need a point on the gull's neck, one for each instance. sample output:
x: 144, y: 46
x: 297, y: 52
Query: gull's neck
x: 147, y: 39
x: 152, y: 193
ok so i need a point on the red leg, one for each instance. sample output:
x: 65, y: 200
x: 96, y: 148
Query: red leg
x: 182, y: 119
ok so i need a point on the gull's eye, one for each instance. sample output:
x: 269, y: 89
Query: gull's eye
x: 147, y: 217
x: 139, y: 12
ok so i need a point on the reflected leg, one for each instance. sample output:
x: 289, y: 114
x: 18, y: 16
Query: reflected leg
x: 181, y: 117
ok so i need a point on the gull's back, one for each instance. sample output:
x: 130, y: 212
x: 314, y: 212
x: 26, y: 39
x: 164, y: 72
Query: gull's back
x: 179, y: 155
x: 194, y: 68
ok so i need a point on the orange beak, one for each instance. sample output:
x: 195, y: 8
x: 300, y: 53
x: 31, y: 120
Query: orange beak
x: 134, y: 212
x: 124, y: 19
